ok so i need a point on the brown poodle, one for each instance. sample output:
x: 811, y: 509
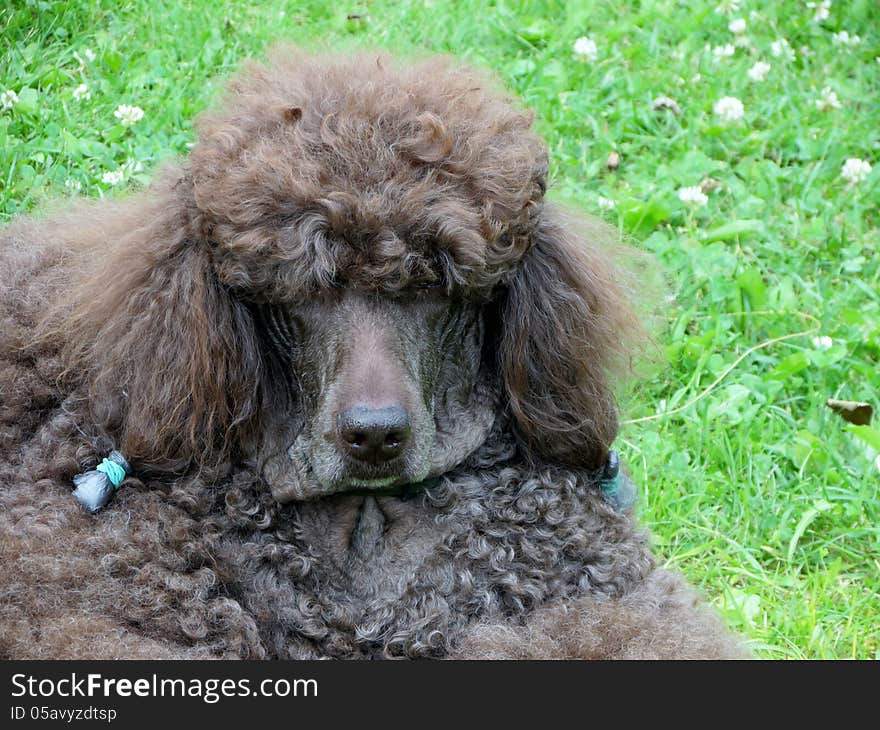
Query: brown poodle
x: 361, y: 375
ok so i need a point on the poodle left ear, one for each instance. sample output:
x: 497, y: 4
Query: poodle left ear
x: 564, y: 332
x: 166, y: 355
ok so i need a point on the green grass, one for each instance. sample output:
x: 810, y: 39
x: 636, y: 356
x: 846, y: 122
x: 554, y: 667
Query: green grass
x: 759, y: 493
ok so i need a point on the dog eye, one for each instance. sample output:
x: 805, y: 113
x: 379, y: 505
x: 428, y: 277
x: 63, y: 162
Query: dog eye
x: 283, y: 328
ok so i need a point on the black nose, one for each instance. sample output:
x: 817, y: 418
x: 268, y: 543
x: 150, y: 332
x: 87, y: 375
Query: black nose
x: 374, y: 434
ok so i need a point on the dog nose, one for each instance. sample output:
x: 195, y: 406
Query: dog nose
x: 374, y: 434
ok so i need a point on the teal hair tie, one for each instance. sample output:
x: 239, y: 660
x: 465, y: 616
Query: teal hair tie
x: 112, y: 470
x: 94, y: 488
x: 617, y: 488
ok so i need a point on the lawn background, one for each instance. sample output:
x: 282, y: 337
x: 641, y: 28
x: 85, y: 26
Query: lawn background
x: 757, y: 492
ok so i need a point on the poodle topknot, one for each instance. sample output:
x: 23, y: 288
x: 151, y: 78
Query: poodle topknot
x: 363, y: 375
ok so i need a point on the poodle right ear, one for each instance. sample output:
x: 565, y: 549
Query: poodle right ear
x: 166, y: 354
x: 566, y: 326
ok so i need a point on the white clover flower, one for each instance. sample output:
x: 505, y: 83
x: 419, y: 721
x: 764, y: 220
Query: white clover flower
x: 693, y: 196
x: 828, y: 100
x: 845, y: 39
x: 729, y: 109
x: 82, y: 92
x: 823, y: 343
x: 759, y: 71
x: 820, y: 10
x: 586, y: 49
x: 89, y: 56
x: 782, y: 49
x: 737, y: 26
x: 855, y: 171
x: 113, y: 178
x: 727, y: 7
x: 606, y: 203
x: 8, y: 99
x: 665, y: 102
x: 128, y: 115
x: 725, y: 51
x: 73, y: 185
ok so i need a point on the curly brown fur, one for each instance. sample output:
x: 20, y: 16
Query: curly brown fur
x: 345, y: 228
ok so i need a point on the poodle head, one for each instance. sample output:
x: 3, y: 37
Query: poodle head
x: 352, y: 279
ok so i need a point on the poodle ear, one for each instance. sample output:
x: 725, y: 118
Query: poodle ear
x: 565, y: 325
x: 167, y: 356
